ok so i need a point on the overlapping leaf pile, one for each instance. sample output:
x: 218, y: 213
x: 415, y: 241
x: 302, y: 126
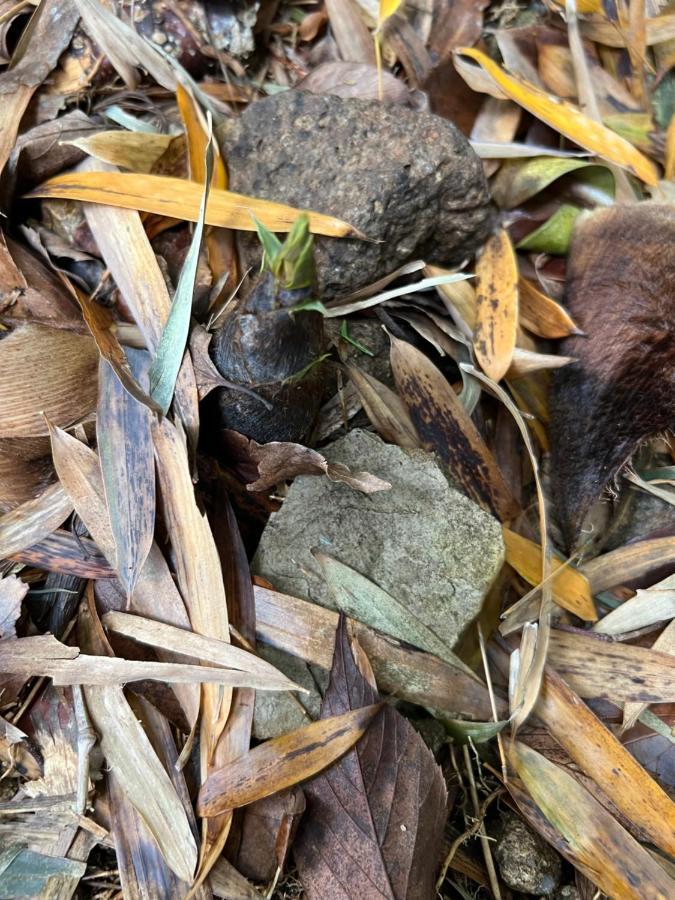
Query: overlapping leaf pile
x: 128, y: 616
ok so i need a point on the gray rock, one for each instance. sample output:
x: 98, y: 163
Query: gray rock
x: 423, y: 542
x: 408, y: 180
x: 278, y: 712
x: 526, y: 862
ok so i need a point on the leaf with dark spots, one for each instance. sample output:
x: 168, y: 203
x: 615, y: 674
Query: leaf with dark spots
x: 66, y: 553
x: 621, y: 390
x: 283, y: 761
x: 376, y: 818
x: 446, y: 429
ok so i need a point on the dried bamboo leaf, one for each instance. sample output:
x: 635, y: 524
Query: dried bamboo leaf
x: 63, y: 553
x: 647, y: 607
x: 385, y: 409
x: 541, y: 315
x: 306, y: 630
x: 131, y: 150
x: 284, y: 761
x: 595, y: 842
x: 128, y: 469
x: 603, y: 757
x: 44, y: 655
x: 570, y: 587
x: 561, y: 116
x: 33, y: 520
x: 197, y: 646
x: 629, y: 563
x: 594, y: 667
x: 180, y: 199
x: 525, y: 362
x: 665, y: 643
x: 45, y: 372
x: 123, y: 46
x: 496, y: 306
x: 141, y: 775
x: 446, y: 429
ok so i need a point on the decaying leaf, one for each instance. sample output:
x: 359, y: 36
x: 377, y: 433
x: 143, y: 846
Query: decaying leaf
x: 496, y: 306
x: 283, y: 762
x: 133, y: 150
x: 12, y: 592
x: 67, y: 554
x: 282, y: 460
x: 377, y: 814
x: 445, y: 428
x: 45, y: 372
x: 33, y: 520
x: 180, y: 199
x: 594, y: 841
x: 647, y: 607
x: 620, y: 292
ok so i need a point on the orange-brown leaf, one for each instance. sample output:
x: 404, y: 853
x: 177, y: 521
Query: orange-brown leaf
x: 497, y: 306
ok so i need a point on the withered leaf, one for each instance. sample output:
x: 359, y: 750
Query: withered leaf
x: 374, y: 821
x: 68, y: 554
x: 621, y: 293
x: 282, y: 460
x: 12, y: 592
x: 45, y: 371
x: 33, y: 520
x: 127, y: 464
x: 445, y: 428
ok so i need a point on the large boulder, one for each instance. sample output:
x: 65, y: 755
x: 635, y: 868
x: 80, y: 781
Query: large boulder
x: 408, y: 180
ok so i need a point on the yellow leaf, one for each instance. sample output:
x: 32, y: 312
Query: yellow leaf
x: 564, y: 118
x: 180, y: 199
x: 197, y: 139
x: 497, y: 306
x: 132, y: 150
x: 386, y: 10
x: 541, y: 315
x: 585, y: 7
x: 571, y: 589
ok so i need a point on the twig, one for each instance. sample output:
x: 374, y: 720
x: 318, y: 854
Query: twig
x: 457, y: 843
x: 488, y: 679
x: 485, y: 844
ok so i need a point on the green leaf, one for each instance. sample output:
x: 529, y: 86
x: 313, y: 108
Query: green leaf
x: 270, y: 242
x: 167, y: 362
x: 554, y: 235
x: 463, y: 731
x: 344, y: 334
x: 519, y: 180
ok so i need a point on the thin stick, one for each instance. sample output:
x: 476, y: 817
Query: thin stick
x: 485, y: 843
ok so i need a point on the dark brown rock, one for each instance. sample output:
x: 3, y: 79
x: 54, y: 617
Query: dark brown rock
x: 407, y: 179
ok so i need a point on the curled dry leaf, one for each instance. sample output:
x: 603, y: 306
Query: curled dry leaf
x: 352, y: 79
x: 591, y: 838
x: 45, y: 372
x: 377, y: 814
x: 541, y: 315
x: 494, y: 336
x: 12, y: 592
x: 283, y: 460
x: 620, y: 290
x: 181, y: 199
x: 445, y: 428
x: 284, y: 761
x: 33, y: 520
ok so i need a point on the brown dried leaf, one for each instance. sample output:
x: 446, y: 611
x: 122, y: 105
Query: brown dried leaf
x: 12, y: 592
x: 620, y: 291
x: 267, y: 831
x: 353, y: 79
x: 496, y: 305
x: 33, y: 520
x: 282, y: 460
x: 375, y: 818
x: 45, y: 372
x: 594, y: 667
x: 541, y: 315
x: 351, y: 35
x: 65, y: 553
x: 308, y: 631
x: 283, y: 762
x: 43, y: 40
x: 385, y: 409
x: 127, y: 464
x: 206, y: 374
x: 446, y: 429
x: 629, y: 563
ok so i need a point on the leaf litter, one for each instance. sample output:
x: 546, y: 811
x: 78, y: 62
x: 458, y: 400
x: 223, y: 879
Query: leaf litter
x: 136, y: 646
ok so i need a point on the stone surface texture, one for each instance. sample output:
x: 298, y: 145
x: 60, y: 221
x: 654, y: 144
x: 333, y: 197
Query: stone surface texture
x: 407, y: 179
x: 526, y: 862
x: 423, y: 542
